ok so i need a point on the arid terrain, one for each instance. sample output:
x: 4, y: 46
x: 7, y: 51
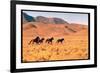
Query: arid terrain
x: 74, y: 46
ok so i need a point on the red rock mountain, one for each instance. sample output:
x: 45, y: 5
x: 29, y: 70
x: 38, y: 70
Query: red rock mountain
x: 53, y: 20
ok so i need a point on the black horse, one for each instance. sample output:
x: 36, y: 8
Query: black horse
x: 60, y: 40
x: 36, y: 40
x: 49, y: 40
x: 41, y: 40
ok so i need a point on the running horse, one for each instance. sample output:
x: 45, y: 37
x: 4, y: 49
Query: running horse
x: 49, y: 40
x: 36, y: 40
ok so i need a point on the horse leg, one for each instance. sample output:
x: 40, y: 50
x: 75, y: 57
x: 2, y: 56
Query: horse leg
x: 58, y: 42
x: 48, y: 42
x: 32, y: 42
x: 37, y: 43
x: 51, y: 42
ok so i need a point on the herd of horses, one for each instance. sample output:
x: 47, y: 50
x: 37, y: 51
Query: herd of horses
x: 39, y: 40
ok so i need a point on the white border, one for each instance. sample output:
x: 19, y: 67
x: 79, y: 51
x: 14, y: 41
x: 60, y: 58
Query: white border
x: 20, y: 65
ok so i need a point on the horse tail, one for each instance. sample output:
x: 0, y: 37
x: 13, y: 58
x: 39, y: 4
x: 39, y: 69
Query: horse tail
x: 30, y: 42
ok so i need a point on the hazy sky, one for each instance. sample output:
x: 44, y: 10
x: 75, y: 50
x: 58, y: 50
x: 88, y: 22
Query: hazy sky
x: 69, y: 17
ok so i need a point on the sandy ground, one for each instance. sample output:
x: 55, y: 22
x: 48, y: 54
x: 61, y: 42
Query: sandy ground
x: 73, y: 48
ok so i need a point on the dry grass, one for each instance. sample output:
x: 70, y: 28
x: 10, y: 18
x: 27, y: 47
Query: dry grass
x: 74, y: 47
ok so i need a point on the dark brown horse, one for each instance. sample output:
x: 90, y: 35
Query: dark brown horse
x: 41, y: 40
x: 60, y: 40
x: 36, y: 40
x: 49, y: 40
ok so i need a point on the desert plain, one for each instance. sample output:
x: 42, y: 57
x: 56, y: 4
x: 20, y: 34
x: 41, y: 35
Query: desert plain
x: 74, y: 47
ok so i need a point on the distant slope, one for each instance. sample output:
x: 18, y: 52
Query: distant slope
x: 41, y: 29
x: 29, y: 25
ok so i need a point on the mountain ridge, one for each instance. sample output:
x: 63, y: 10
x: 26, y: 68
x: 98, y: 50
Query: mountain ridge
x: 42, y: 19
